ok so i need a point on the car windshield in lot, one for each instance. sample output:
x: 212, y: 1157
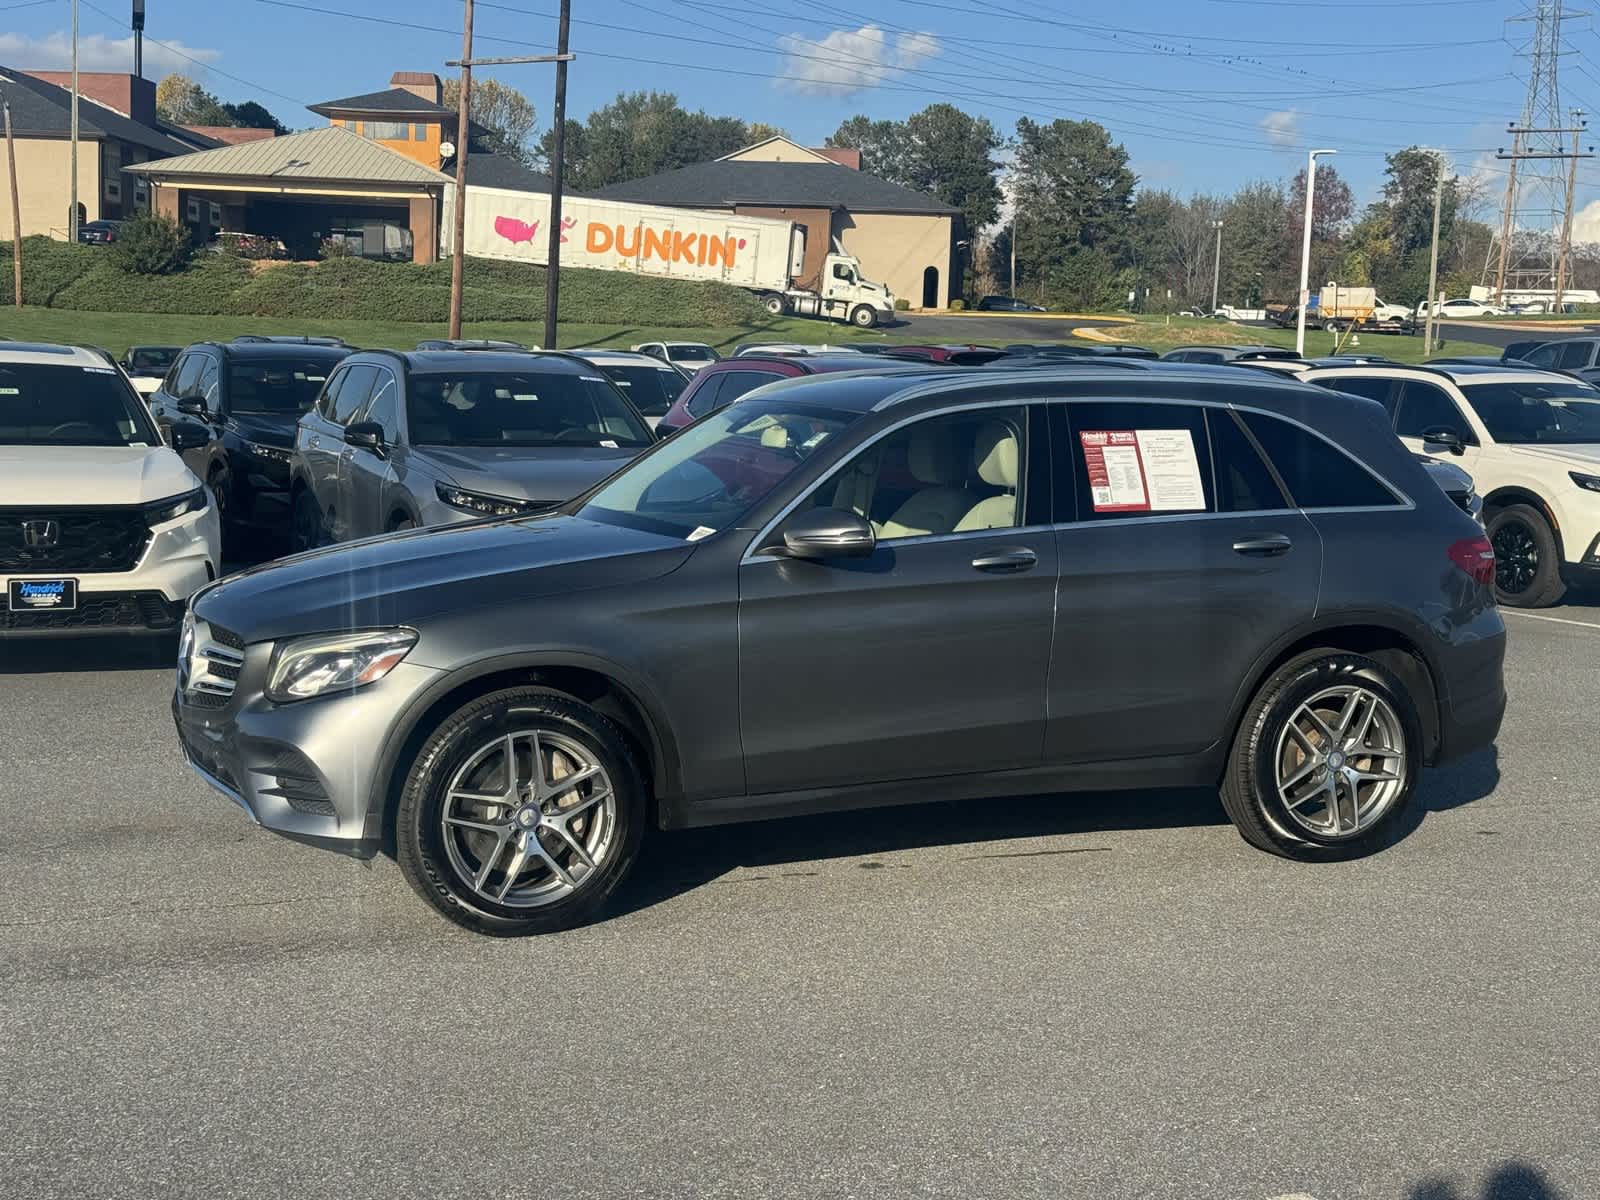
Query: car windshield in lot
x: 153, y: 360
x: 1537, y: 412
x: 513, y: 408
x: 43, y: 405
x: 652, y: 389
x: 691, y: 354
x: 709, y: 475
x: 276, y: 385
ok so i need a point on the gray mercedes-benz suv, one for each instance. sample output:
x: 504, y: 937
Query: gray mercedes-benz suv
x: 857, y: 590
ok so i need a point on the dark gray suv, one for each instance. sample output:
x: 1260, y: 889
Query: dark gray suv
x: 401, y: 440
x: 857, y: 590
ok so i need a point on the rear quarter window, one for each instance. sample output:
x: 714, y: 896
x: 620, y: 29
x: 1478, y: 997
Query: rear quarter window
x: 1317, y: 474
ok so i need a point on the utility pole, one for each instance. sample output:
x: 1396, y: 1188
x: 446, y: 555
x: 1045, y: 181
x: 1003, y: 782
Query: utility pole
x: 1564, y: 263
x: 1216, y: 267
x: 72, y: 214
x: 1433, y: 258
x: 558, y: 163
x: 16, y: 206
x: 463, y: 116
x: 1013, y: 291
x: 1305, y: 251
x: 458, y: 238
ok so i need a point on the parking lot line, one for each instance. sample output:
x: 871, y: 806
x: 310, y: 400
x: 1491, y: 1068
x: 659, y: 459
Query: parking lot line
x: 1553, y: 620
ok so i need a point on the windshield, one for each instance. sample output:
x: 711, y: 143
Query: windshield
x: 69, y: 406
x: 652, y: 389
x: 691, y: 354
x: 515, y: 408
x: 1537, y: 413
x: 276, y: 385
x: 152, y: 360
x: 710, y: 474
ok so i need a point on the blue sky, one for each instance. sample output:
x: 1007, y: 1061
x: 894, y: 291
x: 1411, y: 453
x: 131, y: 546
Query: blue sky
x: 1205, y: 94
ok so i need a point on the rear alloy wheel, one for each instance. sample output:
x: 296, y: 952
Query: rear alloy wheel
x: 1326, y: 758
x: 1527, y: 564
x: 522, y: 814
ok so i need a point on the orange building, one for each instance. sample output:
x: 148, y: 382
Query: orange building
x: 408, y: 117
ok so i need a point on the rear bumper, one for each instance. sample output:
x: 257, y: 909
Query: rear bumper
x: 1472, y: 693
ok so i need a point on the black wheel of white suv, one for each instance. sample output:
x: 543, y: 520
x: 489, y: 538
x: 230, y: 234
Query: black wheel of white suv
x: 1326, y: 759
x: 521, y: 814
x: 1527, y: 561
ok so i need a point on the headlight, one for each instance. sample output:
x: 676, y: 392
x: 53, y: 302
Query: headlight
x: 174, y: 507
x: 315, y: 666
x: 1589, y: 483
x: 270, y: 453
x: 489, y: 506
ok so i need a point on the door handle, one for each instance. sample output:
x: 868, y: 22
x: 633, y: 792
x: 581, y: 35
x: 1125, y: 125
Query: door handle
x: 1006, y: 561
x: 1267, y: 546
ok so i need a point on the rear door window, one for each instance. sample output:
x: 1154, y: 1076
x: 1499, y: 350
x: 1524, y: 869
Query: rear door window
x: 1317, y: 474
x: 1133, y: 460
x: 728, y: 388
x: 1573, y: 354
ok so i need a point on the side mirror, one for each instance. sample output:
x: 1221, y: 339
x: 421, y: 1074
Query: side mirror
x: 365, y: 435
x: 186, y: 435
x: 193, y: 405
x: 1447, y: 438
x: 829, y: 533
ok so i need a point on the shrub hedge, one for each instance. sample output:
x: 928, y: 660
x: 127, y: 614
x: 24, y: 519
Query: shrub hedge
x: 85, y: 278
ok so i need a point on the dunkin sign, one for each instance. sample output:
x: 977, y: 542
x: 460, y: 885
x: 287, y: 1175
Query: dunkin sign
x: 640, y: 241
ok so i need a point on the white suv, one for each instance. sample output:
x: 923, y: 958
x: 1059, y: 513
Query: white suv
x: 103, y: 529
x: 1531, y: 441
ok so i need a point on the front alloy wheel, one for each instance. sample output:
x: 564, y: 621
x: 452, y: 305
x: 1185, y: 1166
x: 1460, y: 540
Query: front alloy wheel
x: 521, y: 814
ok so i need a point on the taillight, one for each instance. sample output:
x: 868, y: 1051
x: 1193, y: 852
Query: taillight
x: 1475, y: 556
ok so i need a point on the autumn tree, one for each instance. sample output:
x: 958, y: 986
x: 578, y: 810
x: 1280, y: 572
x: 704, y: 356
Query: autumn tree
x: 505, y: 114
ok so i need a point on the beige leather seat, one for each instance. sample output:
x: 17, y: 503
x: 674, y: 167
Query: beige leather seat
x: 931, y: 458
x: 994, y: 457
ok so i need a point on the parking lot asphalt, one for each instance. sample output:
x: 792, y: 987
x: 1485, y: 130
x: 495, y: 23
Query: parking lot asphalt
x: 1091, y: 996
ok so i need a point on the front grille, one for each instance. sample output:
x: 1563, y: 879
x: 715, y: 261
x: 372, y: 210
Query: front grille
x: 79, y: 539
x: 226, y: 637
x: 101, y: 610
x: 212, y: 669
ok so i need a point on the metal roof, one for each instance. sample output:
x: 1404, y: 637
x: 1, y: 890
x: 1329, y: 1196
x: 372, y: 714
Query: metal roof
x: 331, y: 155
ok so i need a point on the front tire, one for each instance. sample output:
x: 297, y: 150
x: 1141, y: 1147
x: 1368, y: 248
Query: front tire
x: 1527, y: 561
x: 863, y: 317
x: 307, y: 530
x: 1326, y: 759
x: 522, y: 814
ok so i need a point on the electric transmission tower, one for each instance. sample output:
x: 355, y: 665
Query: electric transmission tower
x: 1536, y: 223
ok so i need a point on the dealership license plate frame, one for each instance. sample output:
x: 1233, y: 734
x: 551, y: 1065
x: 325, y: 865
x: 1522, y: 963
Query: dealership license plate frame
x: 17, y: 603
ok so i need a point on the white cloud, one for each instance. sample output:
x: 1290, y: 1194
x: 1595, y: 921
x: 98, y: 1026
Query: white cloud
x: 851, y: 60
x: 96, y: 52
x: 1586, y: 223
x: 1282, y: 128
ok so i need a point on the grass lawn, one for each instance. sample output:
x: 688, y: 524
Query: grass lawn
x: 118, y: 331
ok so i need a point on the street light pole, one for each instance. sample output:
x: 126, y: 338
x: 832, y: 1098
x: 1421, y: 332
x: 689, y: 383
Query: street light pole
x: 1216, y: 267
x: 1305, y: 251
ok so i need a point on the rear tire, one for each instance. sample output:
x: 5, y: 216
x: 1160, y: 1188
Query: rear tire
x: 547, y: 857
x: 1291, y: 787
x: 1527, y: 561
x: 775, y: 305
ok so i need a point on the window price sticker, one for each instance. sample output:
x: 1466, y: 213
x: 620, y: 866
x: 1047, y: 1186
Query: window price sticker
x: 1142, y: 470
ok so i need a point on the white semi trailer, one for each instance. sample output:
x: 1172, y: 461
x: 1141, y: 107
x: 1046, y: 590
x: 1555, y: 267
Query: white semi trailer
x: 760, y: 254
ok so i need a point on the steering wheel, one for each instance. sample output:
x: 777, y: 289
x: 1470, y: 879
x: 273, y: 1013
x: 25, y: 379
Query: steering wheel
x: 65, y: 425
x: 577, y: 434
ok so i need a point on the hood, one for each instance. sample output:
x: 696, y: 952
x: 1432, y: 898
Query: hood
x: 1586, y: 454
x: 405, y: 578
x: 82, y: 476
x: 546, y: 473
x: 270, y: 429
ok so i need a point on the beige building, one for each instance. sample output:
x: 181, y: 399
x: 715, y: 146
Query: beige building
x: 905, y: 239
x: 117, y: 130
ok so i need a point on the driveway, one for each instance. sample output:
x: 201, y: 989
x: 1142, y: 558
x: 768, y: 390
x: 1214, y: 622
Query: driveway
x: 998, y: 330
x: 1504, y: 335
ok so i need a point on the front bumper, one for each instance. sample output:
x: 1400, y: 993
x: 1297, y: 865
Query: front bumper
x: 182, y: 557
x: 306, y: 770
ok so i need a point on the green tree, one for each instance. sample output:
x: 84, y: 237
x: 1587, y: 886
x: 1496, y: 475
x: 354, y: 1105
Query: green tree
x: 1073, y: 192
x: 151, y: 244
x: 645, y: 133
x: 182, y: 101
x: 884, y: 145
x: 505, y: 113
x: 251, y: 115
x: 941, y: 151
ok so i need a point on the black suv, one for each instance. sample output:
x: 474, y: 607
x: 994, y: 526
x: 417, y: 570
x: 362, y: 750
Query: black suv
x: 863, y: 589
x: 249, y: 394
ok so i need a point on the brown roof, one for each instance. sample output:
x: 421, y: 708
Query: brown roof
x: 230, y: 134
x: 845, y: 156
